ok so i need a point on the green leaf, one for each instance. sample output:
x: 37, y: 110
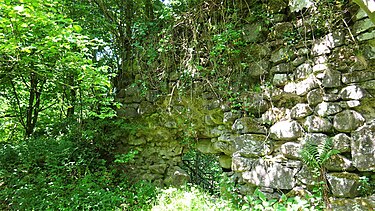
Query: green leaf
x: 77, y: 28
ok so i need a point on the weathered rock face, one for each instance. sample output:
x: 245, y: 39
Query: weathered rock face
x: 321, y: 88
x: 344, y: 184
x: 363, y: 147
x: 291, y: 150
x: 248, y: 125
x: 253, y: 145
x: 286, y: 130
x: 273, y: 176
x: 317, y: 124
x: 347, y: 121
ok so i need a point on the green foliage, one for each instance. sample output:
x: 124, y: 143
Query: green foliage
x: 367, y: 185
x: 204, y: 169
x: 189, y: 198
x: 194, y: 198
x: 47, y: 71
x: 125, y: 158
x: 315, y: 156
x: 62, y: 173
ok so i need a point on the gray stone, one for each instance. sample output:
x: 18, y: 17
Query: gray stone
x: 255, y: 102
x: 313, y: 138
x: 303, y: 71
x: 258, y: 68
x: 344, y: 185
x: 296, y: 6
x: 363, y: 147
x: 253, y: 145
x: 286, y: 130
x: 306, y: 176
x: 290, y: 87
x: 331, y: 97
x: 326, y: 43
x: 303, y: 87
x: 281, y: 68
x: 211, y: 132
x: 282, y: 55
x: 300, y: 111
x: 322, y: 59
x: 280, y: 79
x: 362, y: 26
x: 298, y: 61
x: 352, y: 92
x: 331, y: 79
x: 241, y: 164
x: 272, y: 175
x: 225, y: 143
x: 315, y: 97
x: 275, y: 114
x: 347, y: 121
x: 339, y: 163
x: 317, y: 124
x: 248, y: 125
x: 320, y: 68
x: 341, y: 142
x: 225, y: 161
x: 291, y: 150
x: 358, y: 76
x: 350, y: 104
x: 326, y: 109
x: 132, y: 94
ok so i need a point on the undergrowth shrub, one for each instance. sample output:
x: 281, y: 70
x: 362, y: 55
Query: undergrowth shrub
x: 66, y: 172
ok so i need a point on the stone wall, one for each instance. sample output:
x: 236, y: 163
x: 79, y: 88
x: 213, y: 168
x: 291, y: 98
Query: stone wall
x: 323, y: 88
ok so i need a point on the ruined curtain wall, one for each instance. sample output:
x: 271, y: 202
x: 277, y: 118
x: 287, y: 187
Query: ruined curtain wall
x: 324, y: 88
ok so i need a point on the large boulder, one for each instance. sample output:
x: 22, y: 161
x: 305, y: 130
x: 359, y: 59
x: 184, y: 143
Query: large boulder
x: 241, y: 164
x: 300, y: 111
x: 341, y: 142
x: 317, y: 124
x: 270, y: 174
x: 344, y: 185
x: 253, y: 145
x: 291, y: 150
x: 347, y: 121
x: 352, y: 92
x: 325, y: 109
x: 339, y: 163
x: 286, y: 130
x: 248, y: 125
x: 224, y: 143
x: 363, y: 147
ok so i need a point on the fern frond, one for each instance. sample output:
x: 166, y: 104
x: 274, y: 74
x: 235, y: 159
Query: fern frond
x: 325, y: 150
x: 308, y: 154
